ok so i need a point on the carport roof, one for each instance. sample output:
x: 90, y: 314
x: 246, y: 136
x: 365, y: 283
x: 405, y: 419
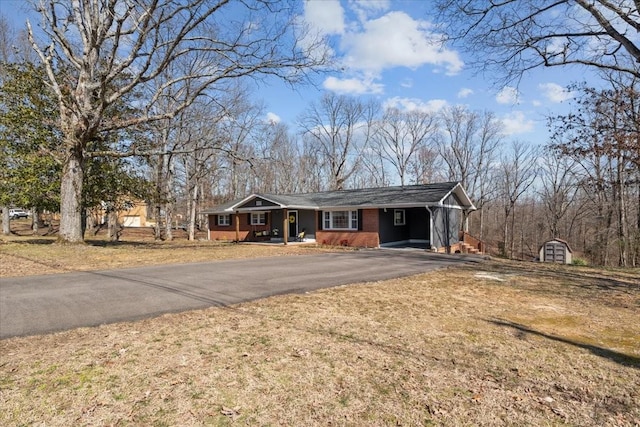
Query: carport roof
x: 407, y: 196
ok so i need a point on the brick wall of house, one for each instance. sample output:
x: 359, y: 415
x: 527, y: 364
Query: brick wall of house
x: 370, y: 220
x: 367, y: 238
x: 361, y: 239
x: 247, y: 231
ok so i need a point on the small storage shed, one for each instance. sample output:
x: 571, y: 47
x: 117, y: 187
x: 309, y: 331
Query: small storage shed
x: 555, y: 250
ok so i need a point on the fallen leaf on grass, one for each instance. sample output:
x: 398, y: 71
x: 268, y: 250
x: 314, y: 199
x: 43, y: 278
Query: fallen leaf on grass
x: 301, y: 352
x: 232, y: 413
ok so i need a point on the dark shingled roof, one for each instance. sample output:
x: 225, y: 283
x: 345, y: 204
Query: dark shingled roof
x: 411, y: 195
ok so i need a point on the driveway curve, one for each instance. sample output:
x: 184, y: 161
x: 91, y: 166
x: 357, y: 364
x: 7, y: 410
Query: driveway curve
x: 43, y: 304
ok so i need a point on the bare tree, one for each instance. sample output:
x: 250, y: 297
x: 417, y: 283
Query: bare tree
x: 603, y: 136
x: 468, y: 143
x: 239, y: 129
x: 339, y: 128
x: 426, y: 166
x: 558, y: 189
x: 311, y: 171
x: 509, y: 38
x: 202, y: 144
x: 277, y: 167
x: 113, y: 49
x: 163, y: 171
x: 401, y: 134
x: 517, y: 172
x: 373, y: 172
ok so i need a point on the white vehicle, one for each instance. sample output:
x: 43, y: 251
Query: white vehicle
x: 17, y: 213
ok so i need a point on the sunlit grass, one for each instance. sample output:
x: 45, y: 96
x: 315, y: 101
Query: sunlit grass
x: 545, y: 346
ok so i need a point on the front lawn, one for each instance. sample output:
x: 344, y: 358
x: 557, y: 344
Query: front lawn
x: 513, y: 344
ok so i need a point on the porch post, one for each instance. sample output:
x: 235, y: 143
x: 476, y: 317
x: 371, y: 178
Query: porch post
x: 430, y: 227
x: 237, y: 227
x: 285, y: 225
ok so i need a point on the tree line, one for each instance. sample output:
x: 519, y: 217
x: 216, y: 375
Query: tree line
x: 129, y: 107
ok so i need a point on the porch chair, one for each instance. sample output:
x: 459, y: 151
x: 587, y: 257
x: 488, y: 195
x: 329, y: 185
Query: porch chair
x: 300, y: 236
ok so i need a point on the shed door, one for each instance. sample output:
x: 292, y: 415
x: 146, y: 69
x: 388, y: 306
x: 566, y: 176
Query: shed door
x: 554, y: 252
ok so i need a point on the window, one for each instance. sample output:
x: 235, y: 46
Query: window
x: 341, y: 220
x: 224, y: 219
x: 258, y: 202
x: 258, y: 218
x: 398, y: 217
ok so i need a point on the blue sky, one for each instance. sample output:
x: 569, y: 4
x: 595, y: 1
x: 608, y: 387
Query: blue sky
x: 390, y: 51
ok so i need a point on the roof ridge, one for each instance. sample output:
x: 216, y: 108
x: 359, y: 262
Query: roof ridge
x: 388, y: 187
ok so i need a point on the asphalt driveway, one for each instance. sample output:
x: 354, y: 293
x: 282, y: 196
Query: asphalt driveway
x: 42, y: 304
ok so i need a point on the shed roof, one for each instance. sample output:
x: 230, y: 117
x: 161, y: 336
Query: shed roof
x: 407, y: 196
x: 555, y: 239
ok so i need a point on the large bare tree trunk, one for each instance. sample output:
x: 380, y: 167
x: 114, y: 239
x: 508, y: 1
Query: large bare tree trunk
x: 113, y: 228
x: 169, y: 199
x: 157, y: 231
x: 90, y: 221
x: 168, y: 217
x: 71, y: 197
x: 505, y: 234
x: 36, y: 221
x: 636, y: 251
x: 6, y: 226
x: 192, y: 212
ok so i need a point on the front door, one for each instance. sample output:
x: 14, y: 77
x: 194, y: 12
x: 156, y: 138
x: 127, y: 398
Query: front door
x: 293, y: 224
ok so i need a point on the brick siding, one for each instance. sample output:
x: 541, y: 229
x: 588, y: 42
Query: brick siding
x: 362, y: 239
x: 367, y: 238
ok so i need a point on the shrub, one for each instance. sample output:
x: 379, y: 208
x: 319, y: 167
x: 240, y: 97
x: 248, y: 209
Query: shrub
x: 579, y: 261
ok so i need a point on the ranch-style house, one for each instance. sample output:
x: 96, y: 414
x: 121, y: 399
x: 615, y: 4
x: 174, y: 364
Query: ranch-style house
x: 428, y: 215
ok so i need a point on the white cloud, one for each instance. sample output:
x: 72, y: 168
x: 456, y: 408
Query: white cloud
x: 366, y: 8
x: 508, y: 95
x: 273, y: 118
x: 326, y: 17
x: 412, y: 104
x: 465, y: 92
x: 516, y: 123
x: 397, y: 40
x: 352, y: 86
x: 557, y: 45
x: 407, y: 83
x: 554, y: 92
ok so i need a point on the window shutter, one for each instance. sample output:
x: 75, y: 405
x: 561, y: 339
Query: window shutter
x: 359, y: 219
x: 266, y: 218
x: 320, y: 219
x: 249, y: 218
x: 215, y: 219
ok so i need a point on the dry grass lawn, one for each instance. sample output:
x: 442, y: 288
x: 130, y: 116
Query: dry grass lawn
x: 27, y: 255
x: 513, y: 344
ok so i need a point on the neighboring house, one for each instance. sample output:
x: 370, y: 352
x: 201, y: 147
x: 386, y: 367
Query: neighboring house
x: 133, y: 216
x: 424, y: 214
